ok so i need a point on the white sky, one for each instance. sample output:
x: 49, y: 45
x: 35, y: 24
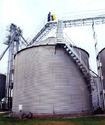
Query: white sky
x: 31, y: 15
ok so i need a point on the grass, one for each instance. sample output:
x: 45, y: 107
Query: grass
x: 53, y: 121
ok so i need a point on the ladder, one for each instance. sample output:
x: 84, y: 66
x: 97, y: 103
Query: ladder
x: 83, y: 68
x: 71, y: 51
x: 87, y: 73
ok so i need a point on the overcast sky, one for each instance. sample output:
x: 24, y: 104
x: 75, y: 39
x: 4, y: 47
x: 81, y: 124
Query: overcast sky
x: 31, y: 15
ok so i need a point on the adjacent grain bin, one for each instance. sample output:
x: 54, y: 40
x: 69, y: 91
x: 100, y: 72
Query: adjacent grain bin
x: 2, y: 86
x: 47, y: 81
x: 101, y: 67
x: 101, y: 71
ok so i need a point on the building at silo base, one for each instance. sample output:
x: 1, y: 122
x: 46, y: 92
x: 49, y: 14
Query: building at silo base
x: 2, y: 86
x: 2, y: 91
x: 47, y: 81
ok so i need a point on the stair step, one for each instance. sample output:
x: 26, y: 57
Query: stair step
x: 73, y: 55
x: 70, y: 52
x: 83, y: 70
x: 79, y: 64
x: 81, y: 67
x: 65, y: 46
x: 67, y: 49
x: 75, y: 58
x: 77, y: 61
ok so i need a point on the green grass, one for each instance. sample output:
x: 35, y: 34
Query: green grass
x: 89, y: 121
x: 53, y: 121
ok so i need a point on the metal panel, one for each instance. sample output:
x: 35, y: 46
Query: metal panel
x: 48, y: 81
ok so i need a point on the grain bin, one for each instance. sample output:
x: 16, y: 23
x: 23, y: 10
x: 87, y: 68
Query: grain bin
x: 101, y: 67
x: 101, y: 71
x: 2, y: 85
x: 47, y: 81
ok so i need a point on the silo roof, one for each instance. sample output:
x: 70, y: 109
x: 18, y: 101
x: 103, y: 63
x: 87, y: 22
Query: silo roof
x: 50, y: 41
x: 2, y: 74
x: 100, y: 52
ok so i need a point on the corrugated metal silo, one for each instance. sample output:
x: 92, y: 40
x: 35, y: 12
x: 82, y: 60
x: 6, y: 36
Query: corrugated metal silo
x: 2, y: 85
x: 101, y: 71
x: 101, y: 58
x: 47, y: 81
